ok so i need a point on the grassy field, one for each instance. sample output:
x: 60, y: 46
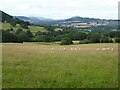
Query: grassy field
x: 51, y: 66
x: 32, y: 28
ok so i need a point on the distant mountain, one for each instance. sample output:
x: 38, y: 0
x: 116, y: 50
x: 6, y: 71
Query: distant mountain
x: 22, y: 18
x: 69, y: 21
x: 82, y: 19
x: 47, y: 19
x: 35, y: 20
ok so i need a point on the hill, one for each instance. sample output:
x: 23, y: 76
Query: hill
x: 66, y: 31
x: 5, y: 17
x: 76, y: 21
x: 36, y: 20
x: 8, y: 21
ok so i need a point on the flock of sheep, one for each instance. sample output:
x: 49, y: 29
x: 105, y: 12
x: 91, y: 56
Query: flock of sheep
x: 63, y: 48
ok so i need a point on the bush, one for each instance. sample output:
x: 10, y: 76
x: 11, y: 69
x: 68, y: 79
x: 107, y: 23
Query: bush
x: 94, y: 37
x: 13, y: 23
x: 66, y: 41
x: 111, y: 41
x: 43, y: 38
x: 105, y: 40
x: 117, y: 40
x: 84, y: 41
x: 25, y: 26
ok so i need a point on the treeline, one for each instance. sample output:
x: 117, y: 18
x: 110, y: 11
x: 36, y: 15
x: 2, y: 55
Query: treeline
x: 66, y: 36
x: 19, y: 36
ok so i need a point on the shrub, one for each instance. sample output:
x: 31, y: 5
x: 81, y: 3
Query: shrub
x: 105, y: 40
x: 66, y: 41
x: 111, y: 41
x: 117, y: 40
x: 84, y: 41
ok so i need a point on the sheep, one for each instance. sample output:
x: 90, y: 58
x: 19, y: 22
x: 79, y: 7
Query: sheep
x: 98, y: 49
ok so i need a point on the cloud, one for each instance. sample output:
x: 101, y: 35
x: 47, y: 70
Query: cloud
x: 61, y: 8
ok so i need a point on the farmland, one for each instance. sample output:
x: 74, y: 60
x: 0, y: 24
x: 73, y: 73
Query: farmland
x: 53, y: 66
x: 32, y: 28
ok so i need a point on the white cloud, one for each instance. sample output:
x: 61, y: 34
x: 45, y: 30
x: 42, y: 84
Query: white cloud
x: 61, y: 8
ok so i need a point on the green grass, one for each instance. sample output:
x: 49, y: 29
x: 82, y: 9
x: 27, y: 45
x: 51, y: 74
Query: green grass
x: 39, y: 66
x: 32, y: 28
x: 37, y: 28
x: 6, y: 25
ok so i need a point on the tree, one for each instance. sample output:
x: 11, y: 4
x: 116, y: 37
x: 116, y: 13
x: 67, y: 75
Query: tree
x: 7, y: 36
x: 20, y: 36
x: 94, y: 37
x: 117, y: 40
x: 104, y: 40
x: 114, y: 34
x: 19, y: 30
x: 79, y: 36
x: 24, y: 25
x: 13, y: 23
x: 43, y: 38
x: 29, y: 33
x: 66, y: 41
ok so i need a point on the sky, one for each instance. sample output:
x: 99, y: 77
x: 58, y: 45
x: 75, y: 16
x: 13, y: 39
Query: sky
x: 61, y: 9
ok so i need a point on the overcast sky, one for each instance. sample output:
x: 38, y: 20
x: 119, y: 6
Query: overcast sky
x: 60, y: 9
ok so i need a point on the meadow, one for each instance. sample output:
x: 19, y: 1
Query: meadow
x: 33, y: 29
x: 31, y: 65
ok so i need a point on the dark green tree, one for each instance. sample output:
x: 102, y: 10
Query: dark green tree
x: 94, y: 37
x: 117, y: 40
x: 19, y: 30
x: 66, y: 41
x: 13, y: 23
x: 29, y: 33
x: 7, y: 36
x: 104, y: 40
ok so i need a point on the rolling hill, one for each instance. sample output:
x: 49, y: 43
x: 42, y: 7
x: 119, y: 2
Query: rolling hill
x: 6, y: 23
x: 70, y: 21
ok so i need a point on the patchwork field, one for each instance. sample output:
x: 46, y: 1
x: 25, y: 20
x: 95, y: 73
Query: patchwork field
x: 33, y: 29
x: 54, y: 66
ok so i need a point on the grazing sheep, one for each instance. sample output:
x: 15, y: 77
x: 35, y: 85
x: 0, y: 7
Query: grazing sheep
x: 104, y: 49
x: 52, y: 48
x: 111, y: 48
x: 75, y: 48
x: 98, y: 49
x: 71, y: 48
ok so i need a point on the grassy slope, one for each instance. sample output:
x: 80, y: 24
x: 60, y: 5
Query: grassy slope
x: 6, y: 25
x: 35, y: 65
x: 32, y: 28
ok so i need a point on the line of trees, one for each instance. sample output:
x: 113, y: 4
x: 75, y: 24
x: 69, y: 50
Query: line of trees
x: 19, y: 36
x: 66, y: 36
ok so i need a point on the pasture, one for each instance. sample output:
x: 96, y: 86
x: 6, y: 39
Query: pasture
x: 33, y: 29
x: 31, y: 65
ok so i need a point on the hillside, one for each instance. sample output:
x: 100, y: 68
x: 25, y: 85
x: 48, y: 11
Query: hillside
x: 8, y: 21
x: 36, y: 20
x: 32, y: 28
x: 66, y: 31
x: 5, y: 17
